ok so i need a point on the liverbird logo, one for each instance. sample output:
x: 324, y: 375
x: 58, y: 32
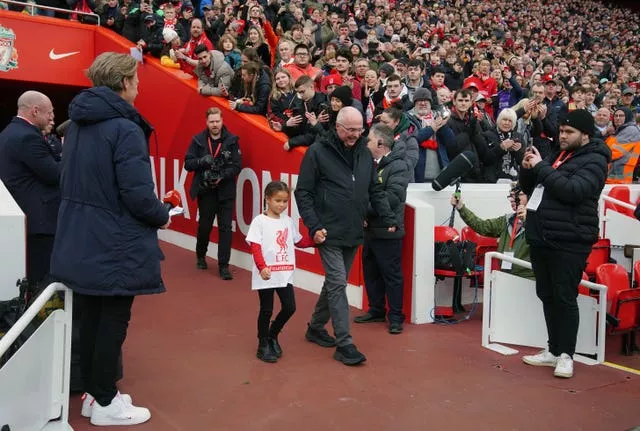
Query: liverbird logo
x: 281, y: 239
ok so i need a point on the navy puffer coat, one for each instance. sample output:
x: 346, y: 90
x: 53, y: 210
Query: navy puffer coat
x: 107, y: 241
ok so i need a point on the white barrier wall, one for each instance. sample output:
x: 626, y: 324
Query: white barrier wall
x: 431, y: 208
x: 13, y: 240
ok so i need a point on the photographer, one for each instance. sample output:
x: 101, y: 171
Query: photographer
x: 214, y: 156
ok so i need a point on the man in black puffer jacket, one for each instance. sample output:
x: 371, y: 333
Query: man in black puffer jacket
x: 562, y: 226
x: 337, y: 176
x: 382, y: 250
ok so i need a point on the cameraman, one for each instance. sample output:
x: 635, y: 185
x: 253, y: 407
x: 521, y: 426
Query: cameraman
x: 214, y: 155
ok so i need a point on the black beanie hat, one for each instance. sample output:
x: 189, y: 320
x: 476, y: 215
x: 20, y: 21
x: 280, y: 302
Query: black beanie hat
x: 582, y: 120
x: 344, y: 94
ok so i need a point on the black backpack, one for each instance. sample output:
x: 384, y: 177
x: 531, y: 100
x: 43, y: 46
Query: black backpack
x: 458, y: 256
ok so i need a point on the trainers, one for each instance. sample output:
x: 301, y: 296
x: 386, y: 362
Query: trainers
x: 88, y: 402
x: 201, y: 263
x: 395, y: 328
x: 368, y: 317
x: 225, y: 274
x: 349, y: 355
x: 564, y: 366
x: 118, y: 413
x: 543, y: 358
x: 320, y: 337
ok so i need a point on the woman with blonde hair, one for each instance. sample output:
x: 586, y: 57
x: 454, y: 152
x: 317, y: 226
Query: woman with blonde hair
x: 255, y: 40
x: 280, y: 99
x: 106, y: 247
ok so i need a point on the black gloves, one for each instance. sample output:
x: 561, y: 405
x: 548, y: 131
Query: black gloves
x: 206, y: 161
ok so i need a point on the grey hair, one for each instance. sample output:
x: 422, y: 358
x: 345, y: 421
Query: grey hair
x: 384, y: 134
x: 31, y: 98
x: 509, y: 114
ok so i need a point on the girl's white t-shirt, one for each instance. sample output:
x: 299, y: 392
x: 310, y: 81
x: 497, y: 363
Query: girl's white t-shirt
x: 277, y: 238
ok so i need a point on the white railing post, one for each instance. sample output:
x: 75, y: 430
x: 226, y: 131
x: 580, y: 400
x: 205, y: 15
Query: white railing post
x: 486, y: 311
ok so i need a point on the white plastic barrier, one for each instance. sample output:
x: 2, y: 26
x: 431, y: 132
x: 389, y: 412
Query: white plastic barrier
x: 34, y: 383
x: 13, y: 240
x: 427, y: 208
x: 512, y: 314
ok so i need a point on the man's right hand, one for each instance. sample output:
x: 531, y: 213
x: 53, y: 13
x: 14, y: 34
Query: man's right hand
x: 206, y: 160
x: 320, y: 236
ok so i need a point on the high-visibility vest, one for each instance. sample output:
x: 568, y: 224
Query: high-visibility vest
x: 625, y: 151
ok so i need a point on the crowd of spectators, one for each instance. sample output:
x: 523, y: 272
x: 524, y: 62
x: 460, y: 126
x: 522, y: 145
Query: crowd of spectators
x: 447, y: 75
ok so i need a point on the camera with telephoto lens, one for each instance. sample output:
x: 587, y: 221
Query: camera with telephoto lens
x: 211, y: 176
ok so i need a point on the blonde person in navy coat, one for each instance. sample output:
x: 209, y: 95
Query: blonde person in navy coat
x: 106, y: 247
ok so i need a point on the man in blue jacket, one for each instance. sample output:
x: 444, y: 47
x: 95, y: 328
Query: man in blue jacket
x: 31, y: 173
x: 106, y: 248
x: 337, y: 177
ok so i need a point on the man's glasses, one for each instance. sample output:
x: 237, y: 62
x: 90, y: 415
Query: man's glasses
x: 354, y: 130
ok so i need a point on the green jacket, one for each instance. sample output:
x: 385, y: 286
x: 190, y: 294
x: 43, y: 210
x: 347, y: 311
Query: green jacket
x: 500, y: 228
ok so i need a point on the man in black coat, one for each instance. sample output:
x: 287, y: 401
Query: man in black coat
x: 562, y: 226
x: 337, y: 176
x: 382, y: 250
x: 31, y: 173
x: 214, y: 155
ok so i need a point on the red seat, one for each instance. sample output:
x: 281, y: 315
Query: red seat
x: 624, y: 302
x: 636, y: 273
x: 622, y: 194
x: 445, y: 233
x: 582, y: 290
x: 484, y: 245
x: 600, y: 253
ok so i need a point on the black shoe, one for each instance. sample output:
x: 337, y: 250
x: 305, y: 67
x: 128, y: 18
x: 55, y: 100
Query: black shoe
x: 320, y: 337
x: 201, y: 263
x: 368, y: 318
x: 265, y: 352
x: 395, y: 328
x: 225, y: 274
x: 349, y: 355
x: 275, y: 346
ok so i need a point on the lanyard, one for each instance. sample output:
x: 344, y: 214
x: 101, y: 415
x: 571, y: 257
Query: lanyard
x: 560, y: 160
x: 514, y: 232
x: 211, y: 146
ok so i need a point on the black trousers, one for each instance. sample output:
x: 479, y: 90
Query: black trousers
x: 211, y: 207
x: 39, y: 249
x: 382, y: 270
x: 103, y: 328
x: 558, y: 274
x: 287, y: 308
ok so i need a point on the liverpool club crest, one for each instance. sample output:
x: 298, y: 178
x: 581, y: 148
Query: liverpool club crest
x: 8, y: 53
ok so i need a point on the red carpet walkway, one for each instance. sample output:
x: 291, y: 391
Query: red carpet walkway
x: 190, y: 358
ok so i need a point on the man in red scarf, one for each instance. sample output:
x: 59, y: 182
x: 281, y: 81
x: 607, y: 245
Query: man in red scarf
x: 185, y: 55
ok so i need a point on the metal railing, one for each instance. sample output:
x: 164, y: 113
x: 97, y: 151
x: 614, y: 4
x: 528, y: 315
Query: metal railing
x: 602, y: 301
x: 55, y: 9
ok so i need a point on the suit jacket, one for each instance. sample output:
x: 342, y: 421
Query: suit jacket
x: 31, y: 174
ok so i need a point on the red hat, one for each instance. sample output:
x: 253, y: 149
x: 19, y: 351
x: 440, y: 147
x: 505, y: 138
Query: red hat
x: 332, y: 79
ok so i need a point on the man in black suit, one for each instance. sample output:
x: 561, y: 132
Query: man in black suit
x: 31, y: 174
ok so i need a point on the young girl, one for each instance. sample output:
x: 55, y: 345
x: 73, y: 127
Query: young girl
x: 272, y: 236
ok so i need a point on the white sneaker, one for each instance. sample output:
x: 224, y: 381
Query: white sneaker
x: 119, y: 413
x: 564, y: 367
x: 543, y: 358
x: 88, y: 401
